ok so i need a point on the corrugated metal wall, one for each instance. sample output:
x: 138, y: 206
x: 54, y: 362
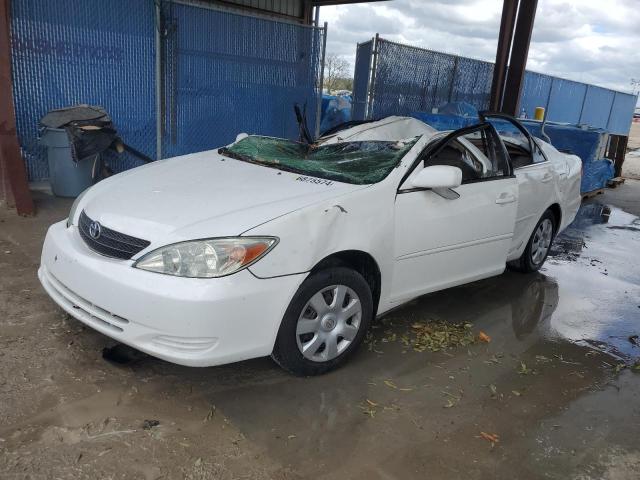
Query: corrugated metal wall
x: 291, y: 8
x: 409, y: 79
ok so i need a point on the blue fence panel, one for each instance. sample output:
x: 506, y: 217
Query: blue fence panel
x: 597, y: 106
x: 361, y: 80
x: 230, y: 73
x: 409, y: 80
x: 66, y: 52
x: 472, y: 82
x: 535, y: 92
x: 566, y: 100
x: 622, y: 113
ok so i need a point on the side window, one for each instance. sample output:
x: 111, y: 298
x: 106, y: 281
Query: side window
x: 478, y: 154
x: 517, y: 143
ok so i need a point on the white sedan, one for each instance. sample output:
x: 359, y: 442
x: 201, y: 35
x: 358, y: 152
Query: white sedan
x: 274, y: 247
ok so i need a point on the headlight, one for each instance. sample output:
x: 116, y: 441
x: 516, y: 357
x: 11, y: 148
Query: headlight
x: 215, y: 257
x: 74, y: 207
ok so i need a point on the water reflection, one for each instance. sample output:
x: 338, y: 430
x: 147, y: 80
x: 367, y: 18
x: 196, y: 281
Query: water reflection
x: 572, y: 241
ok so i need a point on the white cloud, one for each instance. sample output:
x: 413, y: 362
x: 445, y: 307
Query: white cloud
x: 586, y: 40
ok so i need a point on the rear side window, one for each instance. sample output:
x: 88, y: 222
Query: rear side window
x: 518, y: 143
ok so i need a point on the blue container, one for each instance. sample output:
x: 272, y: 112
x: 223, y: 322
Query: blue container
x: 67, y: 178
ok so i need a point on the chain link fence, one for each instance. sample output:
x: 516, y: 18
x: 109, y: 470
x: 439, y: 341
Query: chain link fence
x: 186, y: 80
x: 225, y: 73
x: 403, y: 79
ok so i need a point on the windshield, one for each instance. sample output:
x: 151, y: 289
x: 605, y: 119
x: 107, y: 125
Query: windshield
x: 359, y: 163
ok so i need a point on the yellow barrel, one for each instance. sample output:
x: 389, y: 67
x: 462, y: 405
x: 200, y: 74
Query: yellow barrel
x: 539, y: 113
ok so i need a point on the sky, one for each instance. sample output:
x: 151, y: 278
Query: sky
x: 593, y: 41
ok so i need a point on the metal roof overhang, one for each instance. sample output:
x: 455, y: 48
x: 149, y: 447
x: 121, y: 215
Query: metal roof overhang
x: 323, y: 3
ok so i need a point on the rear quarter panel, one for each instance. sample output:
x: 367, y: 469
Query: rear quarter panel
x: 568, y: 175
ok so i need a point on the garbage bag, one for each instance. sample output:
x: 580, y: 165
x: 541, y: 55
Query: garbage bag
x: 89, y: 128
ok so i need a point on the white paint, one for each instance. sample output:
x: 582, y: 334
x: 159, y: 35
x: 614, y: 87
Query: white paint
x: 420, y: 241
x: 438, y: 176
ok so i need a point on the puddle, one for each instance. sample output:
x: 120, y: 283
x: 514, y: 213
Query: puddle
x: 595, y: 262
x: 586, y: 299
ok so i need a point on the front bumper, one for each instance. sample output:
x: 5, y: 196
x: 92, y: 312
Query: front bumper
x: 194, y: 322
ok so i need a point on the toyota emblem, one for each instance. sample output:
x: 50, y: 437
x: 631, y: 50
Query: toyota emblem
x: 95, y: 230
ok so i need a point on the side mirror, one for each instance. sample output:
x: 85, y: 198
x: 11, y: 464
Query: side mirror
x: 438, y: 176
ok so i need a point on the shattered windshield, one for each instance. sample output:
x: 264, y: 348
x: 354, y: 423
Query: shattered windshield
x: 360, y: 163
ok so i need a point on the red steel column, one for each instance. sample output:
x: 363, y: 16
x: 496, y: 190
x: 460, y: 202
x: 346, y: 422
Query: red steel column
x: 507, y: 24
x: 14, y: 174
x: 519, y: 54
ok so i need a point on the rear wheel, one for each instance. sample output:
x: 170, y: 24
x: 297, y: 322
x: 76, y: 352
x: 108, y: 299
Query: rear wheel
x: 326, y: 321
x: 538, y: 246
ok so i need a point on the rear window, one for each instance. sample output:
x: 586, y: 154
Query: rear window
x: 358, y: 163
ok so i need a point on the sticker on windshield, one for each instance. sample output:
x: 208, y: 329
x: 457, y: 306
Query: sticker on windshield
x: 318, y: 181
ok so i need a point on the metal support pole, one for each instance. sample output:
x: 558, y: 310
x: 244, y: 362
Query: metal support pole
x: 11, y: 161
x: 507, y: 24
x: 613, y: 102
x: 519, y: 54
x: 372, y: 85
x: 546, y: 106
x: 584, y: 99
x: 321, y: 85
x: 158, y: 39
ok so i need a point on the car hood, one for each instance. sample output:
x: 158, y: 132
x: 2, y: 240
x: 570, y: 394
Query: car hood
x: 201, y: 195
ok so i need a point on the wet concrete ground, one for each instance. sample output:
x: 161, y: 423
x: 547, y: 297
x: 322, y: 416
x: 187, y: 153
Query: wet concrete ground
x: 555, y: 388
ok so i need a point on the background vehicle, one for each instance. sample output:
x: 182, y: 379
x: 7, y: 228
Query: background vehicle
x: 275, y: 247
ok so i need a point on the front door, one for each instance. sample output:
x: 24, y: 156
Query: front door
x: 441, y: 240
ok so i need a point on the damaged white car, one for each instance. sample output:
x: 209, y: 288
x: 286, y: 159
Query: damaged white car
x: 274, y: 247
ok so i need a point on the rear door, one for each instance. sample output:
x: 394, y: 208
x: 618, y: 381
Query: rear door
x: 446, y: 238
x: 534, y: 172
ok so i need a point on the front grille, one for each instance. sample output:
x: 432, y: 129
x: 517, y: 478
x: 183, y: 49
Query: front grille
x: 110, y: 243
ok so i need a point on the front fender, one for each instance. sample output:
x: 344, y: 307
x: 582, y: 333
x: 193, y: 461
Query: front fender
x: 362, y: 220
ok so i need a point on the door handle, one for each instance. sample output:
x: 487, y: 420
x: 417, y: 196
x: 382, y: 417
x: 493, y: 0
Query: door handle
x: 505, y: 198
x: 546, y: 178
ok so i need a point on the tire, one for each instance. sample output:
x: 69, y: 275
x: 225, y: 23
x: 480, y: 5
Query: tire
x: 326, y: 330
x: 533, y: 256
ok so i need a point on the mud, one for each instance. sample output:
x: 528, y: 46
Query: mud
x: 554, y: 394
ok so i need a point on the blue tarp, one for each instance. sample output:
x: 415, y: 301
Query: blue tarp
x: 461, y: 109
x: 335, y: 110
x: 450, y: 116
x: 587, y: 143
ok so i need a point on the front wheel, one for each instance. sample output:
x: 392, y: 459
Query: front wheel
x: 327, y: 319
x: 538, y: 246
